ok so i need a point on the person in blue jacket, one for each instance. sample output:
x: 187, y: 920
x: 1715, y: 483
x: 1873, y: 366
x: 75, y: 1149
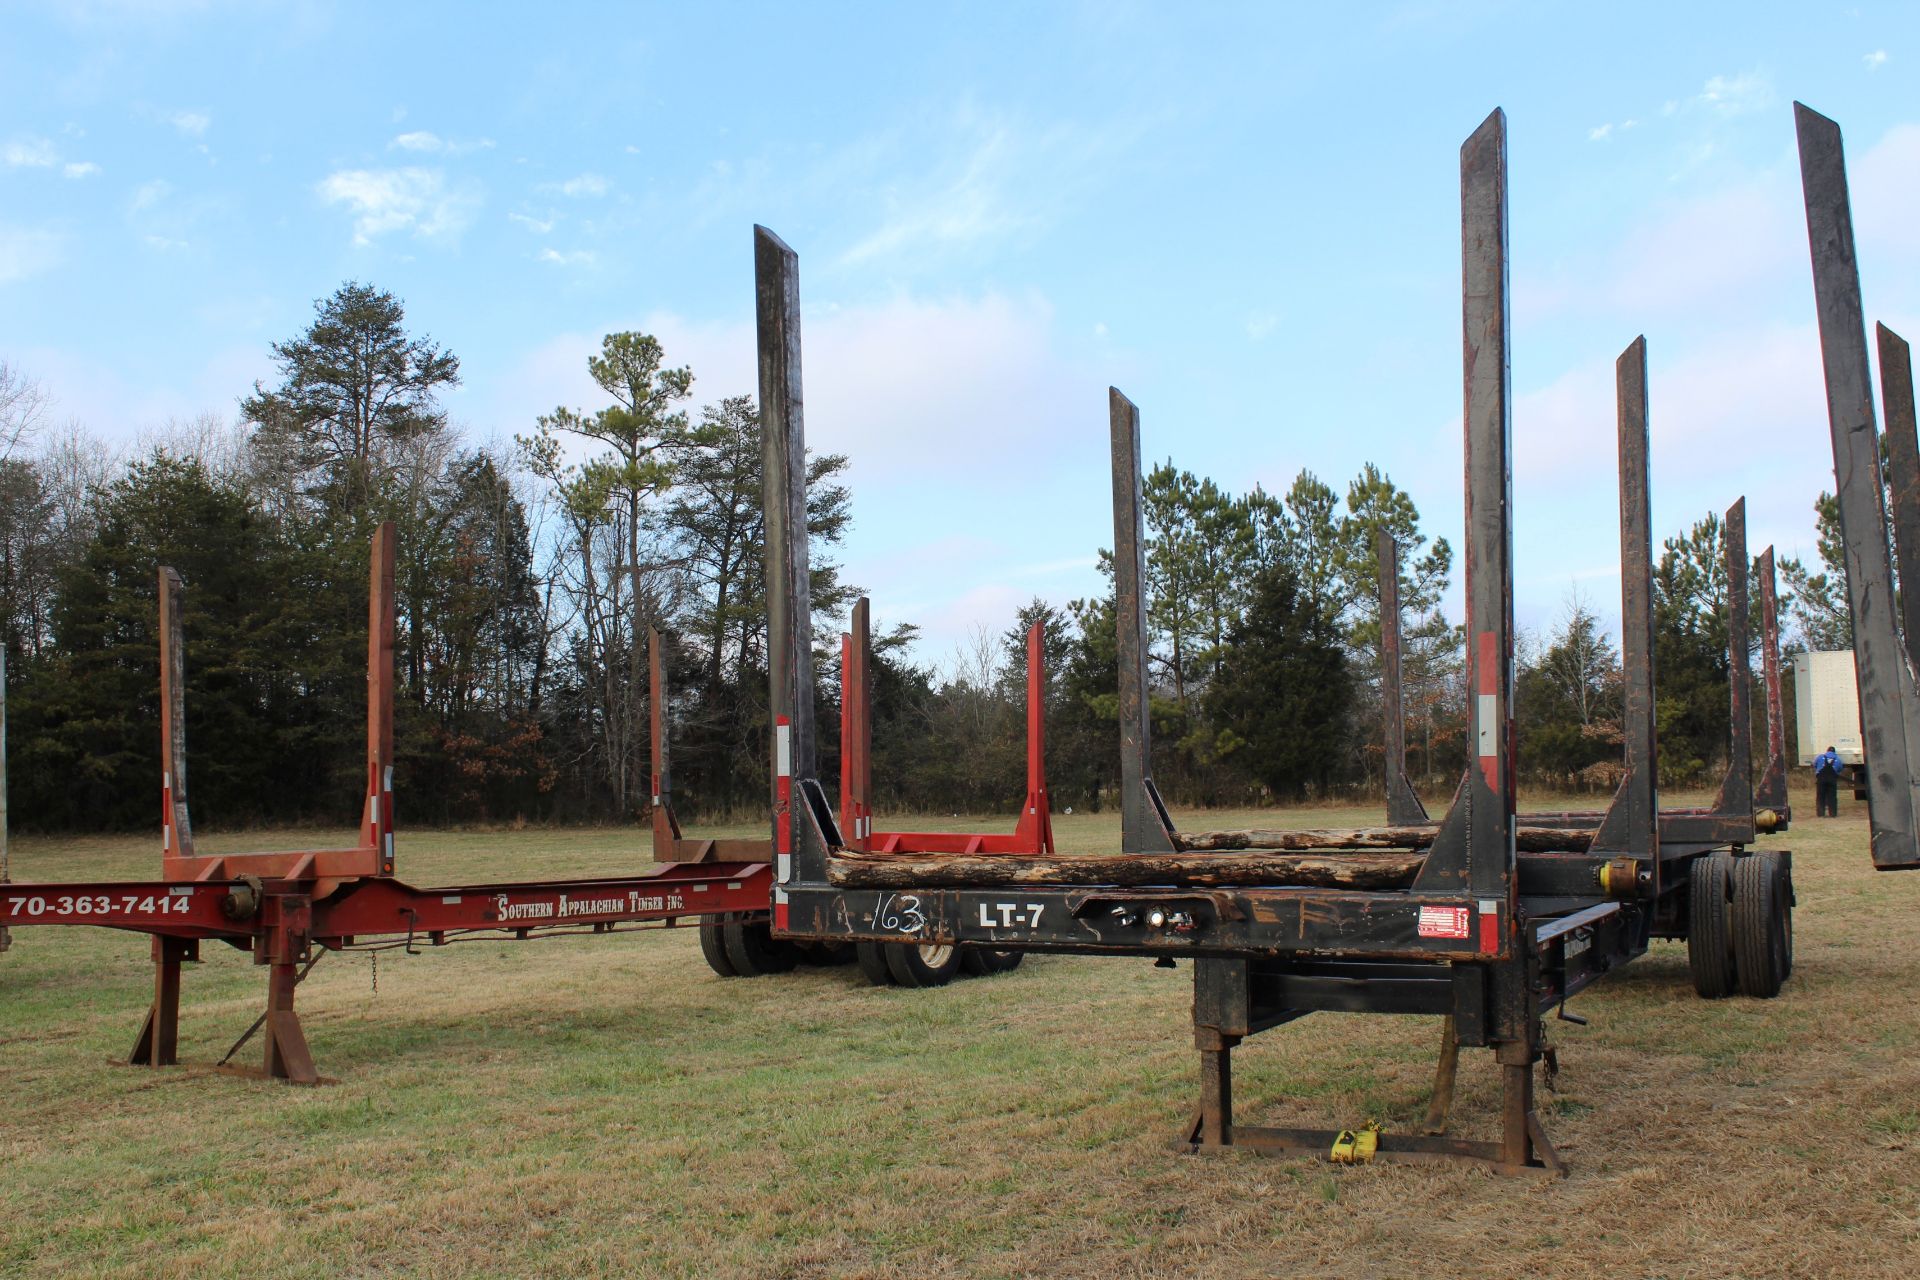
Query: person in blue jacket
x: 1826, y: 784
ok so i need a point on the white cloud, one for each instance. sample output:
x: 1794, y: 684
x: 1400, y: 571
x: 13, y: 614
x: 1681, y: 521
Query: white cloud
x: 81, y: 169
x: 568, y: 258
x: 423, y: 140
x: 1261, y: 324
x: 29, y: 153
x: 539, y: 226
x: 1875, y: 60
x: 411, y: 199
x: 964, y: 181
x: 192, y: 124
x: 585, y: 185
x: 27, y: 251
x: 1737, y: 95
x: 149, y: 194
x: 882, y: 380
x: 1602, y: 132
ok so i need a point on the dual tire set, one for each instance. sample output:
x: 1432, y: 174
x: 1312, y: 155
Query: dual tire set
x: 748, y: 949
x: 1740, y: 923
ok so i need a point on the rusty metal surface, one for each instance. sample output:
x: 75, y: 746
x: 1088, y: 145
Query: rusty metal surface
x: 1889, y: 721
x: 176, y: 827
x: 1142, y: 825
x: 6, y: 865
x: 789, y: 590
x: 666, y: 826
x: 1474, y: 852
x: 378, y: 827
x: 1903, y: 477
x: 1771, y: 792
x: 1403, y: 802
x: 1632, y: 822
x: 1736, y: 788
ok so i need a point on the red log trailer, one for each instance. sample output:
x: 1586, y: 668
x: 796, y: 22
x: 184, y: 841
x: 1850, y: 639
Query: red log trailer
x: 288, y: 908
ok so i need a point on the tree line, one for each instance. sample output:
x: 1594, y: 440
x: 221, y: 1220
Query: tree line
x: 531, y: 572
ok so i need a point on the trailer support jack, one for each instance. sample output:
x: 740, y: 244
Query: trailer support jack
x: 1523, y: 1150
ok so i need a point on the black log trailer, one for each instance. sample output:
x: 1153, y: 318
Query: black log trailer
x: 1466, y: 925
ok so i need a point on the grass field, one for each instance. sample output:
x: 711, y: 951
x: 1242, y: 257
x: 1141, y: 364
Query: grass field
x: 609, y: 1107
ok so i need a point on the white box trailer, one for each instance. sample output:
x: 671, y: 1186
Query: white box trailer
x: 1826, y: 703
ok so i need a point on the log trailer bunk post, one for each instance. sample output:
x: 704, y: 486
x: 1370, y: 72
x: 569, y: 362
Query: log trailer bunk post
x: 1771, y: 811
x: 1471, y: 928
x: 920, y: 966
x: 290, y: 908
x: 1889, y: 705
x: 740, y: 944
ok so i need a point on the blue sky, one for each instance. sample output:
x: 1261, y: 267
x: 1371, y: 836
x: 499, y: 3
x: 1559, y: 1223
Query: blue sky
x: 1245, y: 217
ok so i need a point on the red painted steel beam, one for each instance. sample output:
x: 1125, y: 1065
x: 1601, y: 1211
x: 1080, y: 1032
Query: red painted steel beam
x: 385, y: 907
x: 159, y: 907
x: 382, y: 906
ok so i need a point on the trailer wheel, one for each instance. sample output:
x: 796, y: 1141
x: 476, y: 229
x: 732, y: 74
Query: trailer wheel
x: 979, y: 962
x: 1784, y: 887
x: 753, y: 950
x: 1761, y: 921
x: 872, y: 959
x: 714, y: 947
x: 923, y: 966
x: 1709, y: 946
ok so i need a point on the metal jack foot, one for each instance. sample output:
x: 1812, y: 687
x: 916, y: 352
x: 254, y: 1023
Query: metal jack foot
x: 1440, y: 1106
x: 158, y: 1044
x: 288, y: 1057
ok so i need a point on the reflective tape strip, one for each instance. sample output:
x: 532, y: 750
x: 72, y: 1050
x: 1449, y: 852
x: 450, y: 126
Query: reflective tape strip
x: 783, y: 867
x: 1489, y: 925
x: 783, y: 748
x: 1490, y: 731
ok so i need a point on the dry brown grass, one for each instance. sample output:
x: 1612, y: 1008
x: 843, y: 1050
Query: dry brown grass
x: 609, y: 1107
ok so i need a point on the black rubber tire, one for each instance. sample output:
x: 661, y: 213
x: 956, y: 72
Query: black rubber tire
x: 872, y: 959
x: 1759, y: 926
x: 1709, y: 946
x: 918, y: 966
x: 1784, y: 867
x: 980, y: 962
x: 714, y: 948
x: 754, y: 951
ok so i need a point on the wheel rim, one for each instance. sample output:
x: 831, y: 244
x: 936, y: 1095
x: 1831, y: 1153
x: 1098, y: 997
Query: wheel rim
x: 937, y: 956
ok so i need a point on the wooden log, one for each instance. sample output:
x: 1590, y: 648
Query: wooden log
x: 1526, y: 839
x: 851, y: 869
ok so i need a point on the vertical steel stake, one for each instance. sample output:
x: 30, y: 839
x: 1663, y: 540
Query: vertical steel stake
x: 666, y: 825
x: 1736, y: 789
x: 1403, y: 802
x: 6, y: 866
x: 1889, y: 722
x: 789, y: 599
x: 1903, y: 477
x: 1771, y: 794
x: 378, y: 826
x: 1143, y: 824
x: 176, y: 827
x: 1632, y: 822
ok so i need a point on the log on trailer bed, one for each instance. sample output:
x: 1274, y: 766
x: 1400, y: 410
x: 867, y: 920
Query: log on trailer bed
x: 1525, y: 839
x: 851, y: 869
